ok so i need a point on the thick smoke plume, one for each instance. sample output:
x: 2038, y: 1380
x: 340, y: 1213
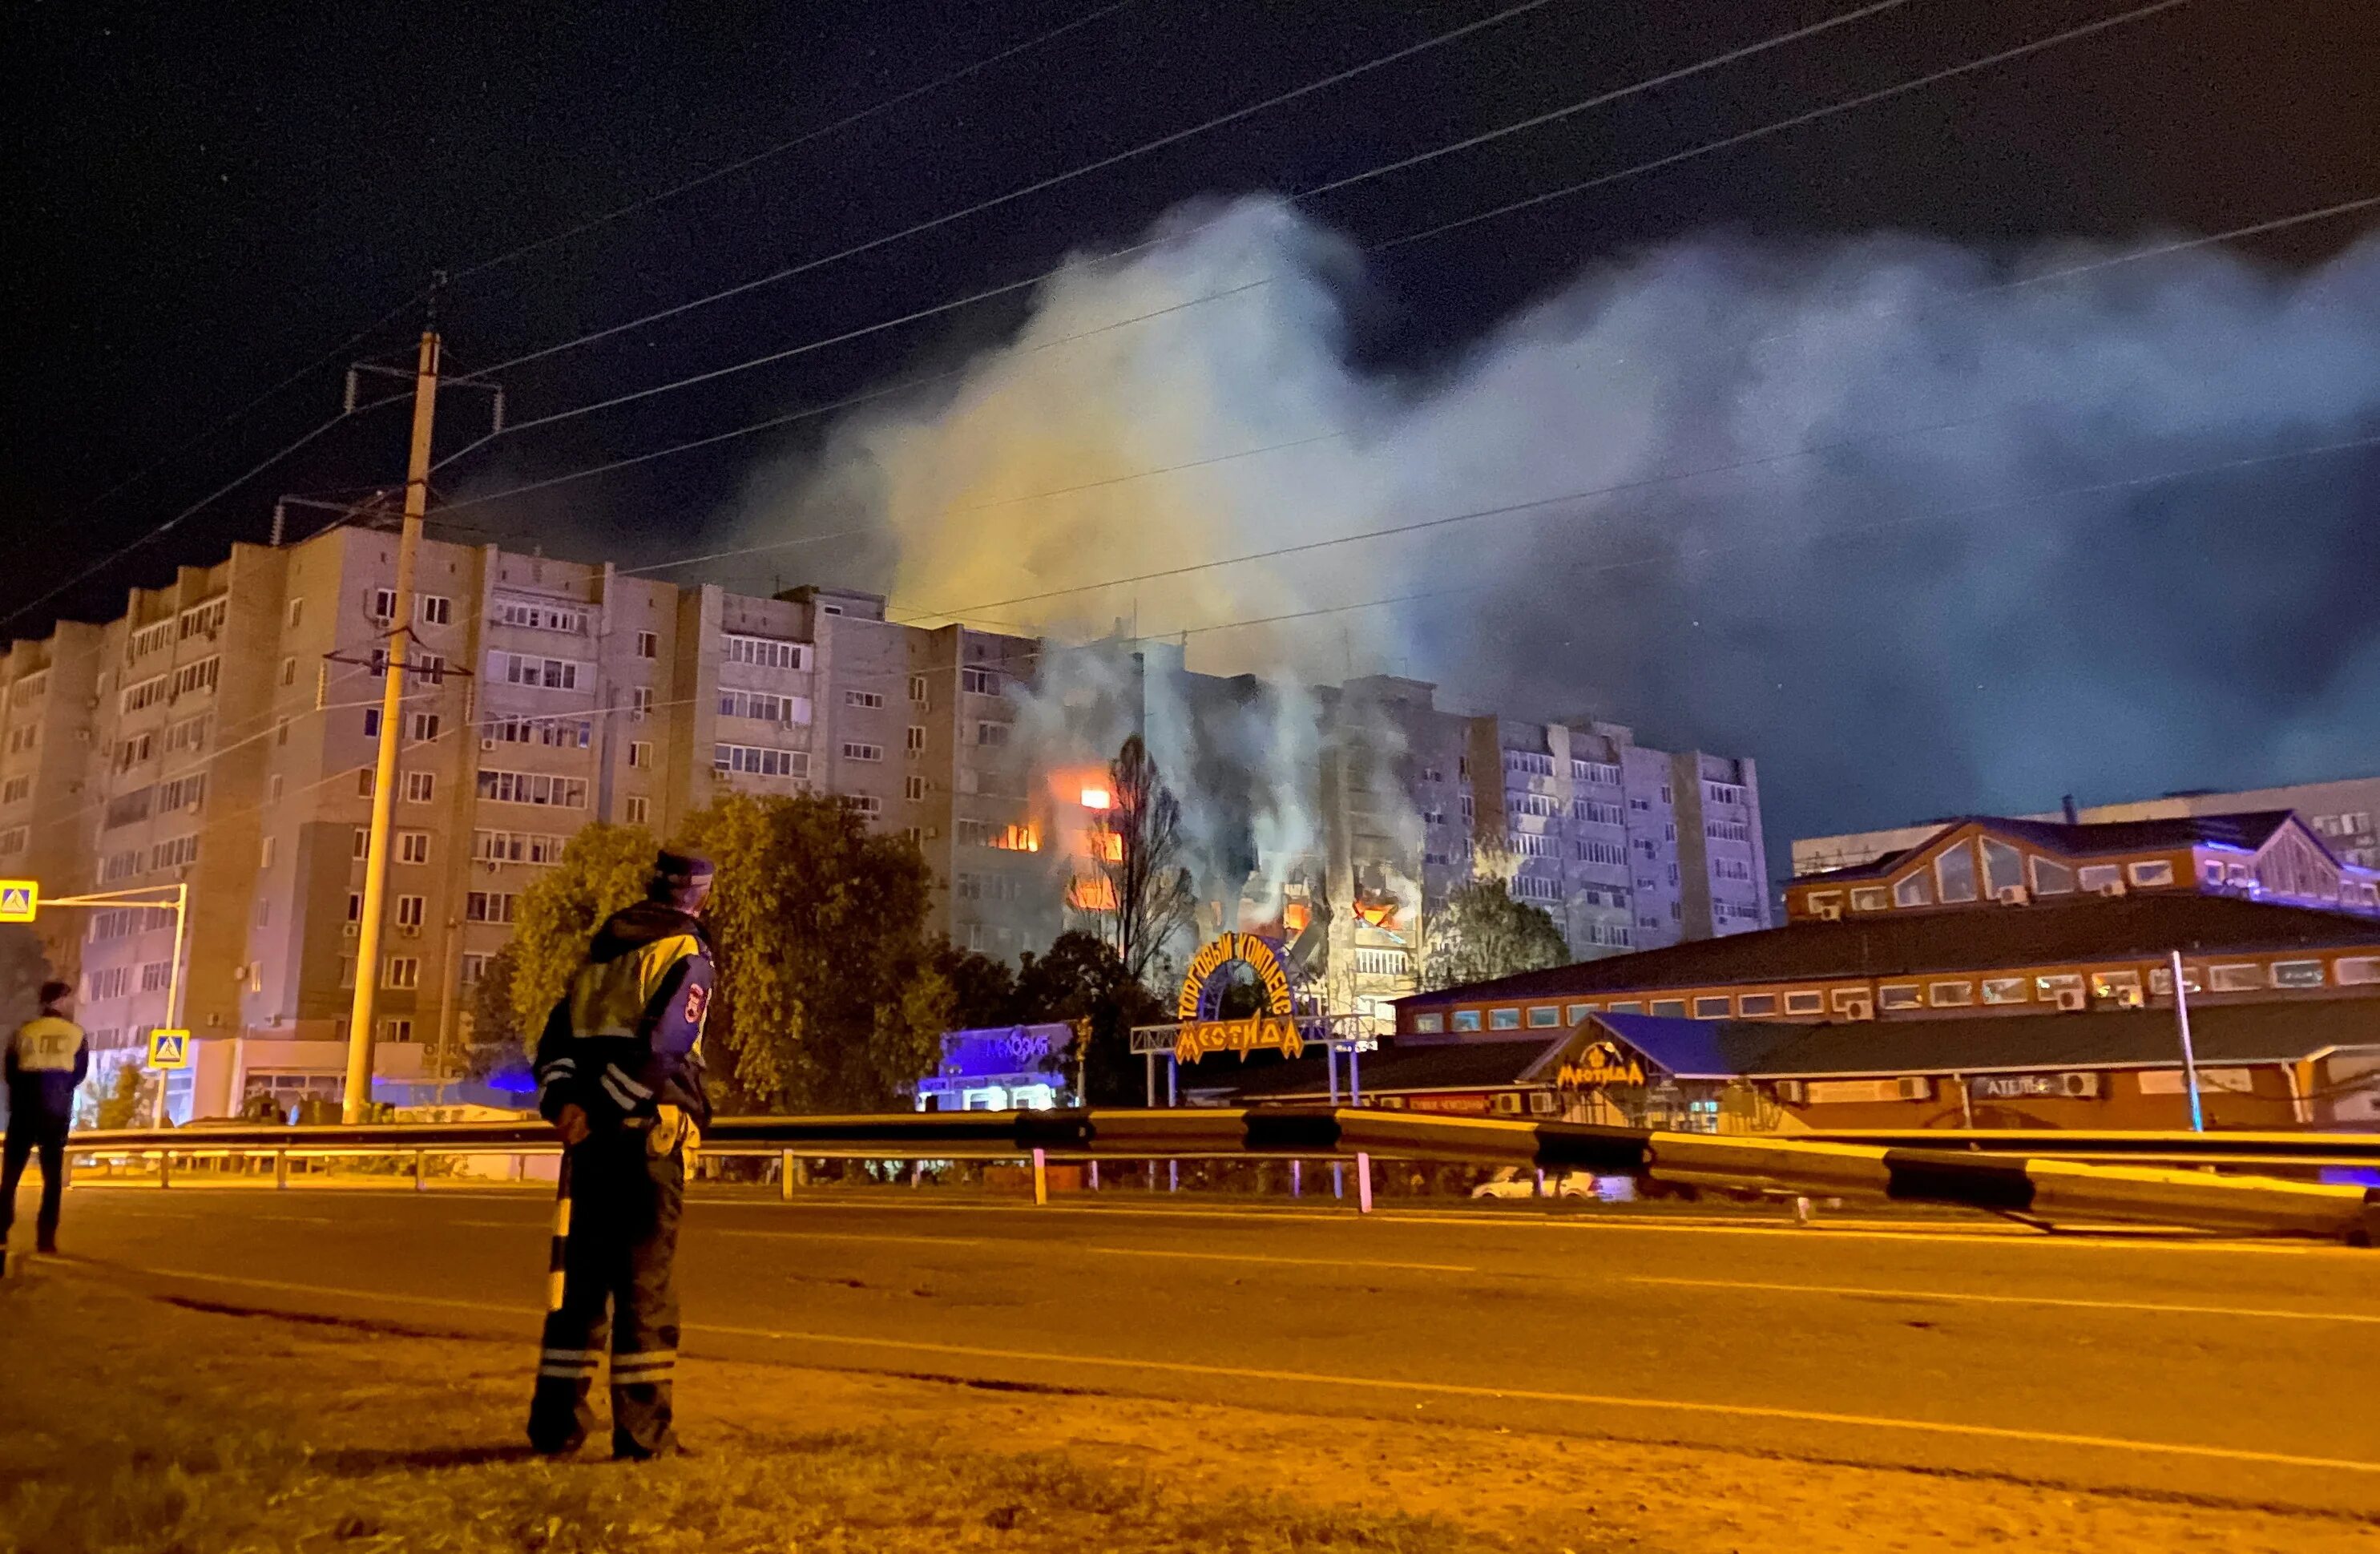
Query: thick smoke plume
x: 1923, y: 529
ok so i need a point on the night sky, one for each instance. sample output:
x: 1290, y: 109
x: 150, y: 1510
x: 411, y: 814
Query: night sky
x: 202, y: 203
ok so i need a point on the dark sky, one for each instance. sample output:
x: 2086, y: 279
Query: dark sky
x: 203, y: 200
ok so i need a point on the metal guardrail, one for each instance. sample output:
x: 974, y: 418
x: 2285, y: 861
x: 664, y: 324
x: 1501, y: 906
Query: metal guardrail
x: 2177, y: 1146
x: 2030, y: 1186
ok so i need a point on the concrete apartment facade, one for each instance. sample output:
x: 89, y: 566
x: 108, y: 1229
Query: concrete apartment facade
x: 2345, y: 813
x: 221, y: 734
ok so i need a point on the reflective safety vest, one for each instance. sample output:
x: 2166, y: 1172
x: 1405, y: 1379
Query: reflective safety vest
x: 47, y: 1058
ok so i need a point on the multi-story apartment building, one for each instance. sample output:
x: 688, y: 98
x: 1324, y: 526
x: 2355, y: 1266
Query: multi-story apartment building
x: 221, y: 734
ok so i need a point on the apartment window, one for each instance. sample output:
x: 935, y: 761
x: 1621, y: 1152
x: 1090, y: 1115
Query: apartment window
x: 1602, y: 851
x: 540, y: 615
x: 916, y: 744
x: 413, y: 846
x: 865, y: 804
x: 636, y: 810
x: 433, y: 609
x: 409, y: 912
x: 530, y: 669
x: 1429, y: 1025
x: 1753, y: 1006
x: 114, y: 981
x: 992, y: 735
x: 913, y: 788
x: 1669, y: 1008
x: 1723, y: 793
x: 516, y: 846
x: 489, y: 906
x: 266, y: 853
x: 1713, y: 1008
x: 14, y: 789
x: 1950, y: 995
x: 1915, y: 890
x: 383, y: 605
x: 297, y: 613
x: 424, y: 727
x: 280, y: 732
x: 766, y: 652
x: 1503, y: 1019
x: 147, y: 693
x: 863, y: 698
x: 362, y: 844
x: 1805, y: 1003
x: 181, y: 792
x: 156, y: 975
x: 1596, y: 811
x: 641, y: 752
x: 2156, y: 872
x: 568, y: 733
x: 1627, y: 1006
x: 853, y: 749
x: 982, y: 682
x: 767, y: 707
x: 2098, y: 876
x: 2357, y: 971
x: 2052, y: 878
x: 1012, y: 838
x: 397, y: 1027
x: 1870, y: 898
x: 755, y: 760
x: 1899, y: 995
x: 289, y: 670
x: 473, y: 968
x: 401, y: 971
x: 648, y: 644
x: 640, y: 702
x: 371, y: 723
x: 920, y: 691
x: 420, y: 786
x: 533, y: 787
x: 1543, y: 1016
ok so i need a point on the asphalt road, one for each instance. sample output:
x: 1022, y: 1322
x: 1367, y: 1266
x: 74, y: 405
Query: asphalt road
x: 2231, y: 1371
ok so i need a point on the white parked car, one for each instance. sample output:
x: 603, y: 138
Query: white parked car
x: 1512, y: 1181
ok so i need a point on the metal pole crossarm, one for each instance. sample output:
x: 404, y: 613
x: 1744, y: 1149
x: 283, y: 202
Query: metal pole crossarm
x: 358, y: 1089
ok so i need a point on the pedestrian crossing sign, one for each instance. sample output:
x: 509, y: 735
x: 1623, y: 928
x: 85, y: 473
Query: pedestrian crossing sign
x: 169, y: 1048
x: 20, y: 900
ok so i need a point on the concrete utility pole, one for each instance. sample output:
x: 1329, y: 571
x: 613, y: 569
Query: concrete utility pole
x: 383, y: 799
x: 2189, y: 1054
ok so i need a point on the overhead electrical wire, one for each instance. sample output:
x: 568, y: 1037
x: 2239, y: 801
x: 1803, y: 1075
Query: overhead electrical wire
x: 1468, y: 142
x: 463, y: 273
x: 195, y: 507
x: 1637, y: 169
x: 1036, y: 186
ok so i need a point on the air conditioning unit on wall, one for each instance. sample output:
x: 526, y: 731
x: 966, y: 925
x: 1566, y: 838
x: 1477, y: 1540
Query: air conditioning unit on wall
x: 2012, y: 895
x: 2072, y: 998
x: 1831, y: 912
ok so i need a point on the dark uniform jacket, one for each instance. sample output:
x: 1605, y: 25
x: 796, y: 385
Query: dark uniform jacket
x: 48, y: 1056
x: 627, y: 1038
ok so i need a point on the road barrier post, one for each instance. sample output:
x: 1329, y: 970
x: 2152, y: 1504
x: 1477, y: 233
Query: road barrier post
x: 164, y: 1168
x: 1296, y: 1176
x: 421, y: 1181
x: 1363, y: 1184
x: 1094, y: 1175
x: 785, y: 1175
x: 1042, y: 1177
x: 280, y: 1170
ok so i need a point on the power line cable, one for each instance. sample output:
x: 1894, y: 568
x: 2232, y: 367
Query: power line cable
x: 804, y: 137
x: 1597, y: 99
x: 1866, y: 99
x: 1039, y: 185
x: 191, y: 511
x: 1635, y: 170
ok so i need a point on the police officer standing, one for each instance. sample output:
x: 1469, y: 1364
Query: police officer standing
x: 48, y: 1056
x: 619, y: 1069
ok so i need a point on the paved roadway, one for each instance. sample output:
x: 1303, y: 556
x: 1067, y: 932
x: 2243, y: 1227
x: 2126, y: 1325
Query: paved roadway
x: 2229, y: 1370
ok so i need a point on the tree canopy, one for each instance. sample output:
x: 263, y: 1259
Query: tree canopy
x: 1136, y: 845
x: 604, y: 867
x: 1482, y: 932
x: 832, y: 996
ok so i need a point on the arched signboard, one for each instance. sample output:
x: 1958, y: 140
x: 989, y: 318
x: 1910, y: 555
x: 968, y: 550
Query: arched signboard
x: 1603, y: 1065
x: 1201, y: 1003
x: 1202, y: 987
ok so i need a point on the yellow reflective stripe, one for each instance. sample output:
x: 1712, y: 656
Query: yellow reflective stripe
x: 662, y: 956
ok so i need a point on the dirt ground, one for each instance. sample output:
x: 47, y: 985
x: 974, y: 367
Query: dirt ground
x: 129, y: 1422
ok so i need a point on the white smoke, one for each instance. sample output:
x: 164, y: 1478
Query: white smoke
x: 1830, y: 531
